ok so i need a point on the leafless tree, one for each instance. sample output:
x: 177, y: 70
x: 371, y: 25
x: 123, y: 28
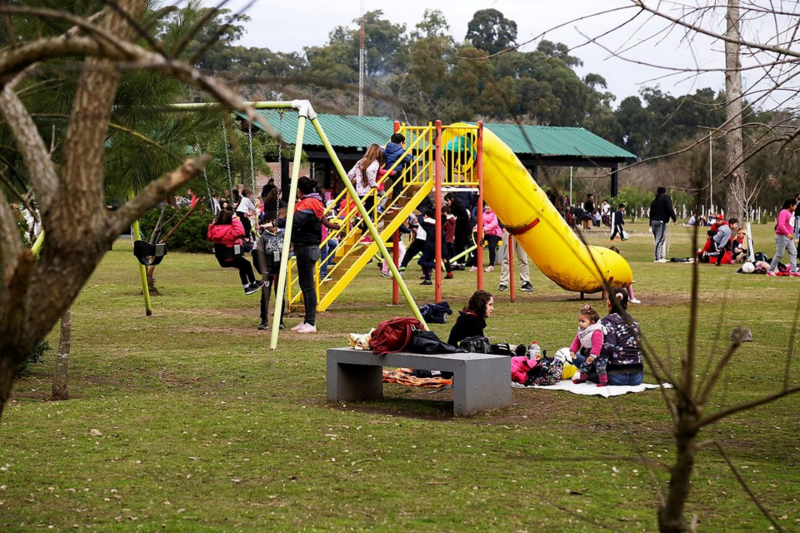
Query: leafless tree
x: 34, y: 295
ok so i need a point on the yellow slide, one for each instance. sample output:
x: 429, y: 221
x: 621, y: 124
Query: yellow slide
x: 523, y: 207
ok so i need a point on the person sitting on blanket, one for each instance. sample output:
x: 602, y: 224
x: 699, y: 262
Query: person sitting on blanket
x: 472, y: 319
x: 589, y: 340
x: 622, y: 342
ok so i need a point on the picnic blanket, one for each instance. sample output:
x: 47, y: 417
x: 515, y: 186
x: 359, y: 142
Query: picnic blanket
x: 403, y: 376
x: 591, y: 389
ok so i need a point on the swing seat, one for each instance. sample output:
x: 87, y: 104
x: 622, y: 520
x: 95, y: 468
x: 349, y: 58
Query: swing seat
x: 226, y: 254
x: 149, y: 254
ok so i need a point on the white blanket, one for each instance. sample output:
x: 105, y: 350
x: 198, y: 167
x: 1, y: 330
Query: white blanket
x: 591, y: 389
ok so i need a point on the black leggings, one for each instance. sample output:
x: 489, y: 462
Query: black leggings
x: 413, y: 249
x: 307, y: 257
x: 245, y: 269
x: 492, y: 241
x: 271, y: 281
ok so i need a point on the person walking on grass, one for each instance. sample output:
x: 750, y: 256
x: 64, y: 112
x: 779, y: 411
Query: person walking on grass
x: 309, y: 217
x: 661, y: 211
x: 619, y: 221
x: 522, y: 265
x: 784, y: 240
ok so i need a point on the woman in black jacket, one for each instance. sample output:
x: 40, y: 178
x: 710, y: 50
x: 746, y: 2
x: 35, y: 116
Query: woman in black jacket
x: 473, y: 318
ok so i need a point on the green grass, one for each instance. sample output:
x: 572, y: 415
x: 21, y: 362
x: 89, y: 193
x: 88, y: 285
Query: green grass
x: 204, y: 428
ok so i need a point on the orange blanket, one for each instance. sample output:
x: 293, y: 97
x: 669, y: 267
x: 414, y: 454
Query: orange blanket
x: 403, y: 376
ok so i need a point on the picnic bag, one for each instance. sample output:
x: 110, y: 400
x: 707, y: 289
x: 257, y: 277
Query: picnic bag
x: 427, y: 342
x: 476, y: 344
x: 546, y: 372
x: 394, y: 335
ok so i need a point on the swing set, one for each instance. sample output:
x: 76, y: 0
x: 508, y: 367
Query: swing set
x: 306, y: 113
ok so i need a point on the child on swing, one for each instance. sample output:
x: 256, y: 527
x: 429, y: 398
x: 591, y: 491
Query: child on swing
x: 589, y: 340
x: 268, y: 251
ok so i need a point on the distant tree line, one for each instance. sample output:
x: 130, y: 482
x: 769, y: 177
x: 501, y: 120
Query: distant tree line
x: 423, y: 74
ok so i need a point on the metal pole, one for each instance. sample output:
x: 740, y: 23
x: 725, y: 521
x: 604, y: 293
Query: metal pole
x: 570, y: 186
x: 364, y: 215
x: 37, y: 244
x: 710, y: 174
x: 510, y: 247
x: 479, y: 164
x: 396, y: 239
x: 287, y: 237
x: 148, y: 307
x: 438, y: 209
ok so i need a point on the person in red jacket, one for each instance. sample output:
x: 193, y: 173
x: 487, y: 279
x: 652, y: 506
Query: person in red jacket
x: 226, y: 231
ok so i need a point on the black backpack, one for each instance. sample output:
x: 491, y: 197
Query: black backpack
x: 476, y: 344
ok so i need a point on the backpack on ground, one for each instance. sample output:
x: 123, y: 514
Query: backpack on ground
x: 476, y: 344
x: 394, y: 335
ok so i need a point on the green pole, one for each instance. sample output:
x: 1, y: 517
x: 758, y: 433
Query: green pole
x: 143, y: 272
x: 462, y: 254
x: 287, y: 237
x: 37, y: 244
x: 376, y: 238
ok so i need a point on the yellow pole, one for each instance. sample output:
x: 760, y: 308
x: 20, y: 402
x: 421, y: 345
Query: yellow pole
x: 37, y: 244
x: 365, y: 217
x: 143, y: 272
x: 287, y: 237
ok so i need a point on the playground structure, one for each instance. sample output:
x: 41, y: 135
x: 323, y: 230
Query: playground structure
x: 459, y: 156
x: 456, y: 157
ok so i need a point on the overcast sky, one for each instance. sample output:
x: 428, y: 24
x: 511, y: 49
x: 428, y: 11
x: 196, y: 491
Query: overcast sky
x: 289, y: 26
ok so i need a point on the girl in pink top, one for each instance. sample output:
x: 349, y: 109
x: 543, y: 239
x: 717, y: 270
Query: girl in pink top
x: 492, y: 232
x: 590, y: 339
x: 784, y: 239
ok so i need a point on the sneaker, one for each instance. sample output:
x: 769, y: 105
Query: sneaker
x: 252, y: 288
x: 772, y: 274
x: 601, y: 384
x: 635, y: 301
x: 490, y: 268
x: 795, y: 274
x: 282, y: 326
x: 426, y: 282
x: 298, y: 326
x: 402, y: 269
x: 662, y: 260
x: 473, y: 269
x: 527, y: 287
x: 502, y: 288
x: 386, y: 274
x: 449, y: 276
x: 307, y: 328
x: 263, y: 326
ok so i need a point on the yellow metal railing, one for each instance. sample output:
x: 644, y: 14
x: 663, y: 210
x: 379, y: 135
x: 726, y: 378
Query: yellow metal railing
x: 419, y: 139
x: 458, y: 170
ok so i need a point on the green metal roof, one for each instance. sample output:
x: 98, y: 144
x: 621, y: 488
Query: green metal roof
x: 343, y: 131
x: 556, y: 141
x: 351, y: 131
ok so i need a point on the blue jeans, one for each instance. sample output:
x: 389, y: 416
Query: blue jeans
x: 796, y: 227
x: 326, y: 250
x: 659, y: 236
x: 307, y: 257
x: 629, y: 378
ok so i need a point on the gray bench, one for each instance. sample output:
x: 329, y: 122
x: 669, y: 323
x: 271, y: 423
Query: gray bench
x: 480, y: 381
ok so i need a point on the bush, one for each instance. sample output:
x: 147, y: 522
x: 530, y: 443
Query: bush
x: 189, y: 237
x: 36, y: 357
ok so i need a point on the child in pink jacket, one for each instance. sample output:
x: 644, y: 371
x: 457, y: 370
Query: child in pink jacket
x: 492, y: 232
x: 588, y: 343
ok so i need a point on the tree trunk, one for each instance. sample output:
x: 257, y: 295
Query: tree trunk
x: 8, y: 369
x: 62, y: 358
x: 736, y: 198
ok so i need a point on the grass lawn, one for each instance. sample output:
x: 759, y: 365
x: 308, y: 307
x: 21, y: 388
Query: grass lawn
x: 204, y: 428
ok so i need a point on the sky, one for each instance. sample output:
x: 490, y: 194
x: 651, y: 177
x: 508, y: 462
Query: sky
x: 289, y: 26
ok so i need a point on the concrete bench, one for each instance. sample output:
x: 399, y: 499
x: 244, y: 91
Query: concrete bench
x: 480, y: 381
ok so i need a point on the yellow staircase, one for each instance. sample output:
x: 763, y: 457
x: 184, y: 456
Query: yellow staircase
x: 353, y: 252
